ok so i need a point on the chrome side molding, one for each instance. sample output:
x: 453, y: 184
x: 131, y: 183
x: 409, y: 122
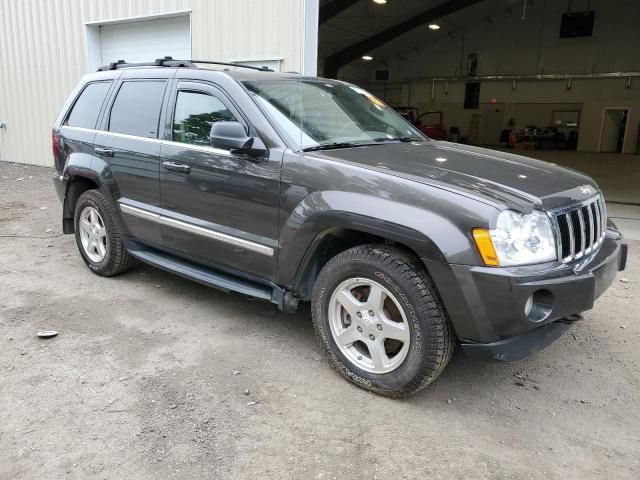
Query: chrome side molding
x: 197, y: 230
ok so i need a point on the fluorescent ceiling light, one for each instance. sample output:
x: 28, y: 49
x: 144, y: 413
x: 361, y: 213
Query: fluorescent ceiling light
x: 434, y: 26
x: 380, y: 2
x: 367, y: 58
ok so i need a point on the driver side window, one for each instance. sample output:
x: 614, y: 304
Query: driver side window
x: 194, y: 115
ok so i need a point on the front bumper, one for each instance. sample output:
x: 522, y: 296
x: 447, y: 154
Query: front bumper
x: 519, y: 347
x: 487, y: 305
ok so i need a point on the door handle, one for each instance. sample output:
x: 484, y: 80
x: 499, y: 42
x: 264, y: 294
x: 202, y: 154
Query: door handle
x: 104, y: 152
x: 176, y: 167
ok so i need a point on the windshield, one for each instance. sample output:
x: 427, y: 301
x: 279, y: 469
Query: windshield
x: 316, y: 114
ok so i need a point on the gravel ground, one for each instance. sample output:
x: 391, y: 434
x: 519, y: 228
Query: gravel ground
x: 152, y: 376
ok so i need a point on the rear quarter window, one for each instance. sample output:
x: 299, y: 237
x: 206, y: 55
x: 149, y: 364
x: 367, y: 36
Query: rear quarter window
x: 136, y: 109
x: 86, y: 109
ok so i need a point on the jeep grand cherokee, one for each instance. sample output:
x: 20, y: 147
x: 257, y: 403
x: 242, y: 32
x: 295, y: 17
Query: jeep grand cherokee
x: 291, y: 188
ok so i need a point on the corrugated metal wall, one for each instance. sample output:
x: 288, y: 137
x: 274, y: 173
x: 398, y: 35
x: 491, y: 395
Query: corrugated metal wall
x: 43, y: 52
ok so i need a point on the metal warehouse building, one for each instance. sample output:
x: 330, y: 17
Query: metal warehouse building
x: 46, y: 46
x: 553, y: 79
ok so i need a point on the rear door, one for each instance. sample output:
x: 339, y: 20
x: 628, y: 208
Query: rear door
x: 77, y: 131
x: 223, y: 207
x: 128, y: 145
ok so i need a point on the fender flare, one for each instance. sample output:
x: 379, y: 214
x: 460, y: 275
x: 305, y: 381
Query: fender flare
x: 96, y: 171
x: 321, y: 214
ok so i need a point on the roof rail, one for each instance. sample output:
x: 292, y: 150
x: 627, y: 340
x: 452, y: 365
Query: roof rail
x: 228, y: 64
x: 158, y: 62
x: 170, y: 62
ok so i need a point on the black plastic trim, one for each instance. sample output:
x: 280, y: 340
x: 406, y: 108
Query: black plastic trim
x: 521, y: 346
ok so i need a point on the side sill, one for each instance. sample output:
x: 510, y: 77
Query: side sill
x: 210, y: 277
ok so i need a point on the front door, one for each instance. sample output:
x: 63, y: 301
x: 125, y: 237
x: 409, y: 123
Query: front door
x: 222, y: 207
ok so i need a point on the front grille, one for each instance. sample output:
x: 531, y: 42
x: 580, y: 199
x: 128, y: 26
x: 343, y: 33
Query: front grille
x: 580, y: 228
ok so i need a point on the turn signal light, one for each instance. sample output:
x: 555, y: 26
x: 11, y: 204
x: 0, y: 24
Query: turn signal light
x: 485, y: 247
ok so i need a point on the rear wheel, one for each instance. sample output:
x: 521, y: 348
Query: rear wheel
x: 380, y: 321
x: 97, y: 237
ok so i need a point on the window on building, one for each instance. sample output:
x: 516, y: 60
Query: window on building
x: 87, y: 107
x: 136, y: 110
x: 194, y: 115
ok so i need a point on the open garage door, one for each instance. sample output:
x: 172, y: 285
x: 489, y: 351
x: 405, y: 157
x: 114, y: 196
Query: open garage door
x: 141, y: 40
x: 530, y: 77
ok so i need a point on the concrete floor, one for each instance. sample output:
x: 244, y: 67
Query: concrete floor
x: 618, y: 175
x: 155, y: 377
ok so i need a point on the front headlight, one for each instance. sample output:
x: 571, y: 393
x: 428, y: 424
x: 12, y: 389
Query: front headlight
x: 518, y: 239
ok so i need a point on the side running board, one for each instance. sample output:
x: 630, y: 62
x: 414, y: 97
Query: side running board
x: 212, y: 278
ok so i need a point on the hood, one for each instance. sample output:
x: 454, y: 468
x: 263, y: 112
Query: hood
x: 495, y: 176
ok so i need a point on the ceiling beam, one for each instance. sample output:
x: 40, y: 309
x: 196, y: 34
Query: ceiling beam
x: 333, y: 8
x: 333, y: 62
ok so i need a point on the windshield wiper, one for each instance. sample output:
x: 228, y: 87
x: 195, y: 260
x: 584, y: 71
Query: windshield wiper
x: 402, y: 139
x: 330, y: 146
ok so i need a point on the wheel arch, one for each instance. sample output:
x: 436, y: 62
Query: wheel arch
x: 81, y: 176
x: 332, y: 241
x: 321, y: 217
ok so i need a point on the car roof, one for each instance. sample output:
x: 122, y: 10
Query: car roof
x: 239, y: 74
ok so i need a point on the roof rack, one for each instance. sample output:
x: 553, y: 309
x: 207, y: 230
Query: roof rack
x: 170, y: 62
x: 209, y: 62
x: 158, y: 62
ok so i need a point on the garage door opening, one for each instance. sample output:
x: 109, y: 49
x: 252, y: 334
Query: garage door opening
x: 139, y: 39
x: 614, y: 127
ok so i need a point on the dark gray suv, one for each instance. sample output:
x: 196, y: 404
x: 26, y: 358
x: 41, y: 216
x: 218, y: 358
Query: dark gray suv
x: 290, y: 188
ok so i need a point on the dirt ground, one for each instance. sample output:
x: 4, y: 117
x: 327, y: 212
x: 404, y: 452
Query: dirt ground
x: 149, y: 374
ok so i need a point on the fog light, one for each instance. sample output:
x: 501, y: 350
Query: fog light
x: 539, y: 305
x: 528, y: 306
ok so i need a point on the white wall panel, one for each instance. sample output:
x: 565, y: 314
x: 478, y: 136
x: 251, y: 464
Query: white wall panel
x: 43, y: 52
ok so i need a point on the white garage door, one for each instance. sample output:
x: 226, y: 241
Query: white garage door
x: 144, y: 41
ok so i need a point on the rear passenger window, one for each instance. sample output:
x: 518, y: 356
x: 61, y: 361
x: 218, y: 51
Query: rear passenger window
x: 87, y: 107
x: 195, y: 113
x: 136, y: 110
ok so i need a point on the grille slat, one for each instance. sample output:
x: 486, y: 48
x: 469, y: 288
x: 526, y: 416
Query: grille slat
x: 604, y: 217
x: 580, y: 229
x: 572, y: 238
x: 583, y: 233
x: 596, y: 210
x: 591, y: 228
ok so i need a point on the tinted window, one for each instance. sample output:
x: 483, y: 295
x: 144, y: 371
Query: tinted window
x: 136, y: 110
x: 86, y: 109
x: 195, y: 113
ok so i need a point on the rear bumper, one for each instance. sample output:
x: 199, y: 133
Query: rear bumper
x: 60, y: 184
x: 487, y: 305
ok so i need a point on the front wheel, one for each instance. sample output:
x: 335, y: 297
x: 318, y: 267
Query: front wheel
x: 380, y: 321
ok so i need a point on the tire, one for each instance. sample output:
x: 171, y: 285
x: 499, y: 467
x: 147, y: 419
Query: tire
x: 102, y: 250
x: 394, y: 353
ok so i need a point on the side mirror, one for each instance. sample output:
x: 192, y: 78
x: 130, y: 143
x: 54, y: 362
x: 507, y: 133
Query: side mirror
x: 233, y: 137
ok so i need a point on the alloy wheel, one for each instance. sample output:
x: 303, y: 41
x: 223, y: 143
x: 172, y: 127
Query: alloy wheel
x: 369, y: 325
x: 93, y: 234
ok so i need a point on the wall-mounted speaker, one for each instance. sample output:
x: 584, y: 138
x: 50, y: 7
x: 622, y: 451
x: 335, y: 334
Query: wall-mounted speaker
x: 381, y: 75
x: 577, y: 24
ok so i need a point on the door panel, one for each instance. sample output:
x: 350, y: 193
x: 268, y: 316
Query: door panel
x: 131, y: 149
x: 226, y: 194
x: 233, y: 195
x: 135, y: 167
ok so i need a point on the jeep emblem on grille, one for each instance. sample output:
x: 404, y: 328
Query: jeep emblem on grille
x: 586, y: 190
